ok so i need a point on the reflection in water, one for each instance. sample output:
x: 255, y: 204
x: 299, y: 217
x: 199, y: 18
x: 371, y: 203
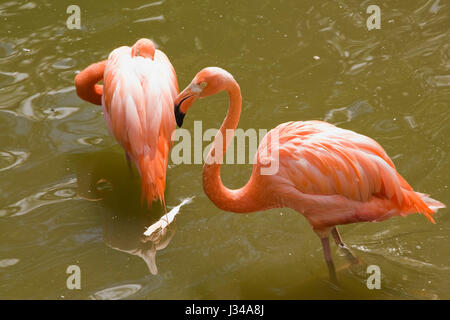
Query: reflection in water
x: 124, y: 220
x: 118, y: 234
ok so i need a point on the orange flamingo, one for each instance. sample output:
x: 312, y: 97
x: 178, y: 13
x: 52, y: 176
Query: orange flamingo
x: 137, y: 96
x: 330, y: 175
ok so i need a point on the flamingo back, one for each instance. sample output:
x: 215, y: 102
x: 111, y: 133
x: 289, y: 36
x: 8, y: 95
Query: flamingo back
x: 137, y: 102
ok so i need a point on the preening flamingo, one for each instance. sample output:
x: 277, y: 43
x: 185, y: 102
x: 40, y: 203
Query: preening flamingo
x: 137, y: 96
x: 330, y: 175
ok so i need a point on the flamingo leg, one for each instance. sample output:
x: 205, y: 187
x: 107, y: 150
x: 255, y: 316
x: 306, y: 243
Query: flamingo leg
x: 130, y: 168
x: 328, y: 259
x: 338, y: 239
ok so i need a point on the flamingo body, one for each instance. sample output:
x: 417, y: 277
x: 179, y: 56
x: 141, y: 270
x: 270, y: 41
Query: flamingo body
x: 330, y: 175
x: 334, y: 176
x: 139, y: 88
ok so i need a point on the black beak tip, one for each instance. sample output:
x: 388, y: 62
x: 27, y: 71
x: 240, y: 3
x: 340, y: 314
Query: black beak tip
x: 179, y: 116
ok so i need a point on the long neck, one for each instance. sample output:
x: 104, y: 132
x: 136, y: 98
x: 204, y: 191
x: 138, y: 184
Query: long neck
x: 240, y: 200
x: 86, y: 83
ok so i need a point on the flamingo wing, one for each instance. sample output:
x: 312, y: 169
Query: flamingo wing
x: 318, y: 158
x: 138, y: 106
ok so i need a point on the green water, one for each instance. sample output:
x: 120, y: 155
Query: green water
x: 67, y: 197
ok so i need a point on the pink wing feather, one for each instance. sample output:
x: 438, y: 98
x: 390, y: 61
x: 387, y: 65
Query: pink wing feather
x: 318, y: 158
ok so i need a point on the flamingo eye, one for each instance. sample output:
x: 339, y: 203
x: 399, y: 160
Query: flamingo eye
x: 198, y: 87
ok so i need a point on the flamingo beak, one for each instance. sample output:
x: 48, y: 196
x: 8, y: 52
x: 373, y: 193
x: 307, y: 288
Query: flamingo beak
x: 179, y: 115
x: 182, y: 103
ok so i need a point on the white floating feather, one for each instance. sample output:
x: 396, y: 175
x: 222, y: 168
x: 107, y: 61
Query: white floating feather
x: 166, y: 219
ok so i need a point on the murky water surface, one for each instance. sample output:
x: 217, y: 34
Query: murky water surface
x: 67, y: 197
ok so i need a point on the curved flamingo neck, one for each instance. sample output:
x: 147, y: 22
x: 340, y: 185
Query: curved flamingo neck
x: 86, y: 83
x: 240, y: 200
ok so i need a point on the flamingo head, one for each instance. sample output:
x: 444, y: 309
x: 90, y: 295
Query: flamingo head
x: 207, y: 82
x: 144, y: 48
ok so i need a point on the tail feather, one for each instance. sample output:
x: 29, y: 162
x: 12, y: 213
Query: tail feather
x: 433, y: 204
x: 153, y: 167
x: 153, y: 178
x: 418, y: 202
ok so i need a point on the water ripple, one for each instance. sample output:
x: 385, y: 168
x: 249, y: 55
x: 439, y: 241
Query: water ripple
x: 9, y: 78
x: 156, y: 18
x: 151, y: 4
x: 116, y: 293
x: 350, y: 112
x: 90, y: 141
x: 55, y: 194
x: 65, y: 63
x: 6, y: 49
x: 30, y: 108
x: 8, y: 262
x: 11, y: 159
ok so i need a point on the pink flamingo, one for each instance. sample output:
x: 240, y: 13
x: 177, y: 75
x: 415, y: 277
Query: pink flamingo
x: 137, y: 96
x: 330, y: 175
